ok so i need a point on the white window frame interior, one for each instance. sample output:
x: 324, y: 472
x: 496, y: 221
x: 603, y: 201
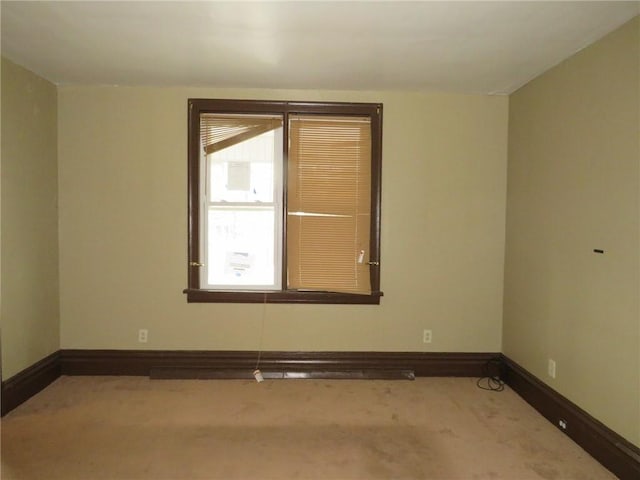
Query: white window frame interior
x: 277, y: 204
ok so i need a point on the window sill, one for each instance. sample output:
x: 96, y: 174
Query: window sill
x: 211, y: 296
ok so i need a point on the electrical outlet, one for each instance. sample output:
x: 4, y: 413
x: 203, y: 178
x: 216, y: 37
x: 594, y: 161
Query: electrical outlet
x: 143, y: 334
x: 426, y: 336
x: 551, y: 368
x: 562, y: 424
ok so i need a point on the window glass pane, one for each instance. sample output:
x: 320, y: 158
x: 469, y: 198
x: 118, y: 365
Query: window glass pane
x: 244, y: 172
x: 241, y: 246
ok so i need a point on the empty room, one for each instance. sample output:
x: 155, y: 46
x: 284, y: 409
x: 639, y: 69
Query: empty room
x: 320, y: 240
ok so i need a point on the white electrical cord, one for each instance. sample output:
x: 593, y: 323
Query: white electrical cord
x: 257, y: 373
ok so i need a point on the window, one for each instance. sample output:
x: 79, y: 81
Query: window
x: 284, y: 202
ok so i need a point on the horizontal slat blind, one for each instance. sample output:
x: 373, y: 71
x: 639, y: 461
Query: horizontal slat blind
x: 328, y: 202
x: 219, y: 131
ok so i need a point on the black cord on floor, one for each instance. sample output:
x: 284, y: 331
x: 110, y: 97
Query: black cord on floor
x: 489, y: 381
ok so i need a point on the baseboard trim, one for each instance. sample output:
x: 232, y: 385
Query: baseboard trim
x: 24, y: 385
x: 208, y: 363
x: 237, y: 364
x: 614, y: 452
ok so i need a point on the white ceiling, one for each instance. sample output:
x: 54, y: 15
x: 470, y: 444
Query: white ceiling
x: 471, y: 47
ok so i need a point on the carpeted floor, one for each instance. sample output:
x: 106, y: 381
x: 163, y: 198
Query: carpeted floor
x: 126, y: 428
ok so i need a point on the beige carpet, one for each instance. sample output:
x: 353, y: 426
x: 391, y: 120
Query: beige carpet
x: 124, y: 428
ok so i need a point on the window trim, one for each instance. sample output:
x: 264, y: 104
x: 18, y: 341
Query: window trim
x: 197, y: 106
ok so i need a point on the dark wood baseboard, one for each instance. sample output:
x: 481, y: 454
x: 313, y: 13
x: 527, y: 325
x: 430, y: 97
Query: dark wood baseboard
x: 237, y: 364
x: 610, y: 449
x: 24, y: 385
x: 240, y: 364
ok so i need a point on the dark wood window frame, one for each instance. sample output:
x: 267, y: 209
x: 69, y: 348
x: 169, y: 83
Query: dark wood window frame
x: 196, y: 107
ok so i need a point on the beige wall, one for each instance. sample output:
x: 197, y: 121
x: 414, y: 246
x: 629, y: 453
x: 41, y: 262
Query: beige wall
x: 29, y: 231
x: 574, y: 186
x: 123, y: 228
